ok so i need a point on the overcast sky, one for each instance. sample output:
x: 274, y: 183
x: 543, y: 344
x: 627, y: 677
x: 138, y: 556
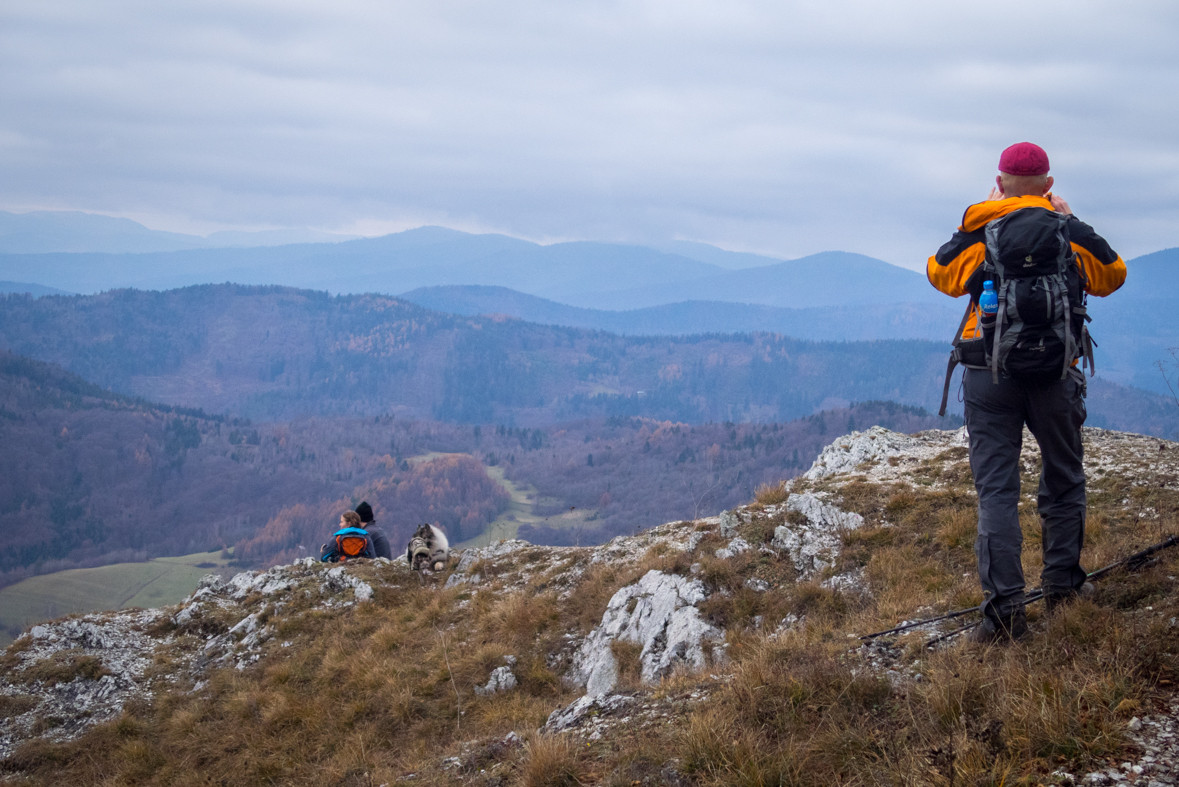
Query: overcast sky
x: 780, y: 127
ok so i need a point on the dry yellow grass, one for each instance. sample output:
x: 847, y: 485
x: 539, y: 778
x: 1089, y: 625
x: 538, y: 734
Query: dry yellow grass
x: 552, y: 761
x: 367, y: 695
x: 772, y: 494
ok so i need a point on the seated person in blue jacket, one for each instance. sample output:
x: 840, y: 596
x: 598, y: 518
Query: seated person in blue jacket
x: 349, y: 542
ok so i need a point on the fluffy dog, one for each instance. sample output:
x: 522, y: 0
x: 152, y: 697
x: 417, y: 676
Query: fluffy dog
x: 428, y: 549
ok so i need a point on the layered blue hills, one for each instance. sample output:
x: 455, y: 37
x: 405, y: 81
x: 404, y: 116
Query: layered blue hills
x: 679, y: 288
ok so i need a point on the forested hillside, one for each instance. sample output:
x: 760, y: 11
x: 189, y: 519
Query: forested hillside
x: 634, y: 473
x: 89, y: 477
x: 273, y: 353
x: 452, y: 492
x: 277, y: 353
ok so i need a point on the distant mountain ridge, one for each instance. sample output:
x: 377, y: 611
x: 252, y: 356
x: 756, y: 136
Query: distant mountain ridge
x: 276, y: 353
x: 826, y: 296
x: 829, y: 278
x: 581, y: 273
x: 1135, y: 327
x: 44, y: 231
x: 703, y: 252
x: 863, y: 322
x: 36, y: 290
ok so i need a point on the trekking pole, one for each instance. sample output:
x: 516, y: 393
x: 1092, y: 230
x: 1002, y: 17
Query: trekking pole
x: 954, y: 633
x: 1138, y: 559
x: 947, y: 616
x: 1133, y: 562
x: 1030, y: 598
x: 1035, y: 595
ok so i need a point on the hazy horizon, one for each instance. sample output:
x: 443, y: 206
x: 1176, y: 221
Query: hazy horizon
x: 780, y: 129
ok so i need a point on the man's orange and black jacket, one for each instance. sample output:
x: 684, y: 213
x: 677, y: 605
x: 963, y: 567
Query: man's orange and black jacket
x: 956, y: 269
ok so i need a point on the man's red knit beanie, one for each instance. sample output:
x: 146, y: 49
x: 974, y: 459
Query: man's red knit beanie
x: 1024, y: 158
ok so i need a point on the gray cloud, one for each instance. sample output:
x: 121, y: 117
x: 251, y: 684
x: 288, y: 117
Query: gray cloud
x: 786, y: 128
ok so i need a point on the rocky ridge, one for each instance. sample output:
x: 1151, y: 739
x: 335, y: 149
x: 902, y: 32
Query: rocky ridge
x: 63, y: 677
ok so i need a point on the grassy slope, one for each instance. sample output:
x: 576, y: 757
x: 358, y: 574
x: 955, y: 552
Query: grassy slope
x: 371, y: 693
x: 155, y: 583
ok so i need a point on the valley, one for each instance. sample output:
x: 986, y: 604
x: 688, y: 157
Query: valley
x: 492, y: 413
x: 153, y: 583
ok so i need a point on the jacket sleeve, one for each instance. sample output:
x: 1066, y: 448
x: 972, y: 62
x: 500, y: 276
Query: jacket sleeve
x: 1104, y: 270
x: 381, y: 543
x: 951, y: 268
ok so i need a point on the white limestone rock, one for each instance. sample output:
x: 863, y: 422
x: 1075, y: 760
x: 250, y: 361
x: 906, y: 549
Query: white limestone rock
x: 186, y: 615
x: 246, y: 625
x: 851, y: 582
x: 658, y: 613
x: 119, y: 640
x: 683, y: 536
x: 814, y: 544
x: 241, y: 584
x: 735, y: 547
x: 859, y: 452
x: 729, y: 521
x: 589, y: 706
x: 470, y: 557
x: 501, y: 679
x: 338, y: 580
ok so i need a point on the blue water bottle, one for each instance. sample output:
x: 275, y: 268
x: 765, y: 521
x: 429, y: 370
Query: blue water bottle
x: 988, y: 304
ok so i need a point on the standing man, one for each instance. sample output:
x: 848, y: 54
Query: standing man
x: 1021, y: 368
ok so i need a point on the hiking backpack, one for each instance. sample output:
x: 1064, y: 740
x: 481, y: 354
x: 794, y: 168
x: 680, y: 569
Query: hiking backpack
x: 348, y: 543
x: 1039, y: 330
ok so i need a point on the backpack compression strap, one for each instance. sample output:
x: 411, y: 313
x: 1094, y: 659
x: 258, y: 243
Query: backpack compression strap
x: 955, y: 358
x: 999, y: 319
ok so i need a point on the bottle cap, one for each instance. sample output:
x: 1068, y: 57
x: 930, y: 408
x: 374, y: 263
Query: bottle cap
x: 988, y: 285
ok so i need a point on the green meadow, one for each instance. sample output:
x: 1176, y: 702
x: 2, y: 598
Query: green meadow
x: 521, y: 510
x: 159, y: 582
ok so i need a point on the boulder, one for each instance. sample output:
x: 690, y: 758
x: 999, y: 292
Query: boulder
x: 588, y: 706
x: 472, y: 556
x: 338, y: 579
x: 657, y: 613
x: 728, y: 524
x: 501, y: 679
x: 735, y: 547
x: 814, y: 543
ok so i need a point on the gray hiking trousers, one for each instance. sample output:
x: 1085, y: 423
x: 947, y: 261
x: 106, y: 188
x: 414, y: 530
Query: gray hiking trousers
x: 995, y: 417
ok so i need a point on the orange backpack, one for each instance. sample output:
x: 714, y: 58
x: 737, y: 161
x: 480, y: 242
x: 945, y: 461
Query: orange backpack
x: 348, y: 543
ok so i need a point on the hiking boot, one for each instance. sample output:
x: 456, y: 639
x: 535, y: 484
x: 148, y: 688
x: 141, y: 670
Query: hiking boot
x: 1054, y: 601
x: 1000, y: 631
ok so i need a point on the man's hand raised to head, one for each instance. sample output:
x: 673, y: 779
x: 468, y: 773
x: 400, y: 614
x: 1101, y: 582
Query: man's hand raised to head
x: 996, y: 193
x: 1060, y: 205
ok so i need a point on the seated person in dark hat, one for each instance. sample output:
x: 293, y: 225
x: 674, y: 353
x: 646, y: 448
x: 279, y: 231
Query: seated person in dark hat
x: 380, y: 540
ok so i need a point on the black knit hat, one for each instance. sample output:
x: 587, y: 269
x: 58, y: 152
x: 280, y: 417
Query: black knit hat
x: 365, y: 511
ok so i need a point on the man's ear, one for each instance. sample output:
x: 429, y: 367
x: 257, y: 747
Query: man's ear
x: 999, y: 183
x: 1048, y: 184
